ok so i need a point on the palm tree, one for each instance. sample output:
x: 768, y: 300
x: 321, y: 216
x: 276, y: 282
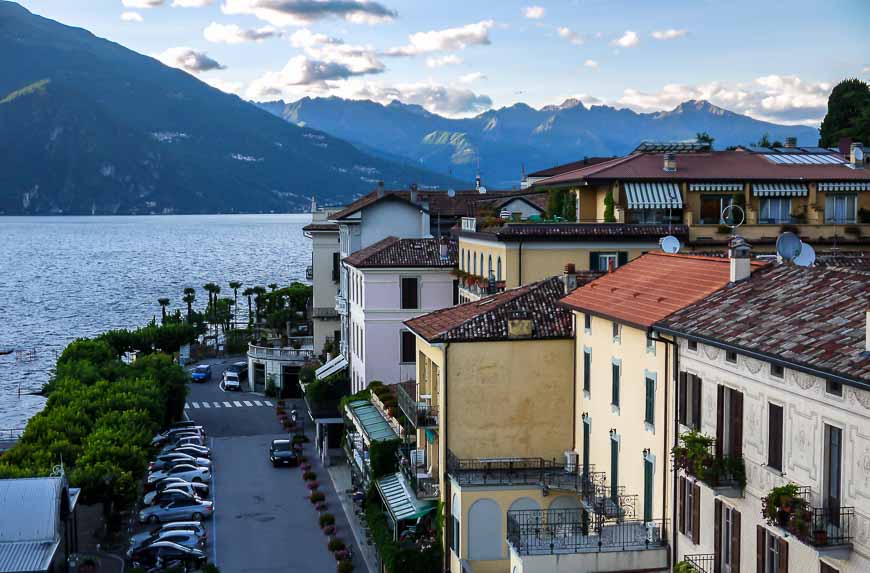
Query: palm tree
x: 258, y: 300
x: 235, y: 285
x: 249, y: 292
x: 273, y: 286
x: 213, y: 290
x: 189, y: 297
x: 163, y: 302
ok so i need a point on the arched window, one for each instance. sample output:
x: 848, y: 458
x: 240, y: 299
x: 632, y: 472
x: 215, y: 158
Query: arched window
x: 489, y: 266
x: 525, y: 504
x: 485, y: 539
x: 498, y: 271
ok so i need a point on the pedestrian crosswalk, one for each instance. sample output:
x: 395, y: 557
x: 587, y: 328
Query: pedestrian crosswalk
x: 233, y: 404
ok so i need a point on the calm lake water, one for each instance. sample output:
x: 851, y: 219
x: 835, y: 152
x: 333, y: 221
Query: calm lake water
x: 63, y: 278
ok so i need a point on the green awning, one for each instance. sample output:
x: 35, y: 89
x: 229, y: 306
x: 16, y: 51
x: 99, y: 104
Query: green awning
x: 400, y: 500
x: 430, y: 436
x: 370, y: 422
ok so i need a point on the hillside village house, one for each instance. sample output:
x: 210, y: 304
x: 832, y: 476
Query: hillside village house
x: 390, y: 282
x: 775, y: 371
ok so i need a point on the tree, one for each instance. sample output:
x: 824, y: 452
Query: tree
x: 848, y: 113
x: 608, y: 208
x: 235, y: 285
x: 704, y: 137
x: 249, y: 292
x: 764, y: 141
x: 273, y: 286
x: 189, y: 298
x: 163, y: 302
x: 259, y: 293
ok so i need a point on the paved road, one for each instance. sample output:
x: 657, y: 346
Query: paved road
x: 263, y: 521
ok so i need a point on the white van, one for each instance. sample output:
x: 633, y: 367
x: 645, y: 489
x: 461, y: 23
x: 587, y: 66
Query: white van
x: 235, y: 375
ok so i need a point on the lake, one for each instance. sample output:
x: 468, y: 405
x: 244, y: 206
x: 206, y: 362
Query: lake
x: 63, y: 278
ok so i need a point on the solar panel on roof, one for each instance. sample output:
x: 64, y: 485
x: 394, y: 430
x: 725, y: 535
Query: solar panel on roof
x: 804, y: 159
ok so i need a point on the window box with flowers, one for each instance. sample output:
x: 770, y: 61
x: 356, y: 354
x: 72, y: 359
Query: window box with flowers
x: 695, y: 455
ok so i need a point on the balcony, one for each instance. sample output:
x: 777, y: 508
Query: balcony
x: 701, y: 562
x: 357, y: 458
x: 767, y: 233
x: 827, y: 529
x: 500, y: 471
x: 419, y: 414
x: 303, y: 353
x: 340, y: 304
x: 469, y: 224
x: 696, y: 455
x: 309, y: 273
x: 421, y: 481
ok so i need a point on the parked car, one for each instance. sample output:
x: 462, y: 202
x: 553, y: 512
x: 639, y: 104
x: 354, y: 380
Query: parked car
x: 200, y: 489
x: 174, y: 458
x: 188, y: 472
x: 184, y: 440
x: 183, y: 424
x: 202, y: 373
x: 192, y: 450
x: 162, y: 553
x: 174, y: 434
x: 281, y: 453
x: 195, y: 526
x: 234, y: 375
x: 185, y: 537
x: 162, y: 497
x: 195, y: 510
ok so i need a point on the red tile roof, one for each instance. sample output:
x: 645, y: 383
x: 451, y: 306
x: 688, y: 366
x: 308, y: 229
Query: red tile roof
x: 812, y: 318
x: 487, y: 318
x: 463, y: 203
x: 651, y: 287
x: 716, y: 165
x: 405, y: 253
x: 320, y: 227
x: 581, y: 231
x: 565, y: 168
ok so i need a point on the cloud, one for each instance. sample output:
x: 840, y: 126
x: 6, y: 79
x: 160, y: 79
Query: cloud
x: 591, y: 64
x: 360, y: 60
x: 189, y: 60
x: 448, y: 40
x: 441, y: 61
x: 191, y: 3
x: 303, y: 12
x: 142, y: 3
x: 867, y: 69
x: 670, y: 34
x: 570, y: 35
x: 132, y: 17
x: 443, y: 100
x: 472, y: 77
x: 534, y: 12
x: 225, y: 86
x: 627, y: 40
x: 233, y: 34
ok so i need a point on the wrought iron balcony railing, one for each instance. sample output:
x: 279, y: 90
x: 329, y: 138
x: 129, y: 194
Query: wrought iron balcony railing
x: 701, y: 562
x: 500, y: 471
x: 551, y: 531
x: 309, y: 273
x: 823, y: 526
x: 420, y: 414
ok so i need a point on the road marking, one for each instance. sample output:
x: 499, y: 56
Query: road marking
x: 206, y: 405
x: 258, y: 403
x: 217, y: 404
x: 237, y: 404
x: 186, y: 406
x: 195, y: 404
x: 228, y: 405
x: 247, y: 403
x: 266, y: 402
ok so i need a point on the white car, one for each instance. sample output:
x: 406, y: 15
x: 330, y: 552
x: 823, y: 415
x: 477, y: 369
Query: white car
x: 200, y: 489
x: 192, y: 450
x: 174, y: 458
x: 184, y: 441
x: 191, y: 489
x: 231, y: 381
x: 187, y: 472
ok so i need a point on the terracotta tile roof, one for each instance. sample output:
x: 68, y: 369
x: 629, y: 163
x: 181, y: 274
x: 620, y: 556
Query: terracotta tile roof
x: 809, y: 317
x: 461, y: 204
x: 718, y: 165
x: 405, y: 253
x: 320, y: 227
x: 565, y: 168
x: 651, y: 287
x: 487, y: 318
x: 582, y: 231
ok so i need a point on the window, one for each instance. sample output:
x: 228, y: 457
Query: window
x: 336, y: 265
x: 692, y: 345
x: 731, y: 357
x: 726, y: 538
x: 614, y: 466
x: 833, y: 473
x: 461, y: 258
x: 587, y: 323
x: 775, y: 210
x: 409, y: 346
x: 834, y: 388
x: 656, y: 216
x: 489, y: 266
x: 498, y: 272
x: 712, y: 207
x: 729, y: 423
x: 481, y: 264
x: 689, y: 508
x: 777, y: 371
x: 605, y: 261
x: 840, y: 208
x: 587, y: 433
x: 650, y: 405
x: 615, y: 332
x: 772, y: 552
x: 774, y: 437
x: 614, y: 395
x: 455, y: 292
x: 689, y: 407
x: 468, y: 262
x: 648, y: 475
x: 410, y: 294
x: 475, y: 264
x: 587, y: 370
x: 650, y: 346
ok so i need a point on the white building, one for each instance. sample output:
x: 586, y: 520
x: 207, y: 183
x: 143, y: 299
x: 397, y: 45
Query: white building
x: 776, y: 369
x: 390, y: 282
x: 325, y: 274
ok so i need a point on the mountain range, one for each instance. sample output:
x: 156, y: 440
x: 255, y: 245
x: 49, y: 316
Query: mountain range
x: 88, y: 126
x: 506, y: 141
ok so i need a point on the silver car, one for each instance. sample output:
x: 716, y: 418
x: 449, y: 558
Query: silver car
x: 195, y: 510
x: 185, y: 537
x: 200, y: 489
x: 187, y: 472
x: 192, y: 450
x: 168, y: 495
x: 185, y: 440
x: 174, y: 458
x: 195, y: 526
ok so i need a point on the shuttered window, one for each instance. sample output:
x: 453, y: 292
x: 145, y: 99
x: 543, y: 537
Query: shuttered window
x: 726, y: 538
x: 409, y: 346
x: 614, y: 468
x: 774, y: 437
x: 771, y: 552
x: 729, y: 422
x: 647, y: 490
x: 587, y: 430
x: 689, y: 400
x: 410, y: 294
x: 587, y: 370
x: 614, y: 395
x: 650, y: 410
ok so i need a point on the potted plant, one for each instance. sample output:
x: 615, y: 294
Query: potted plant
x: 345, y: 566
x: 820, y: 536
x: 309, y: 475
x: 316, y: 496
x: 336, y: 544
x: 327, y: 519
x: 312, y: 485
x: 780, y: 503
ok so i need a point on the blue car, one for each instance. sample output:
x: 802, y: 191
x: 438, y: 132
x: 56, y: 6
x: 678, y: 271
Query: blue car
x: 201, y: 373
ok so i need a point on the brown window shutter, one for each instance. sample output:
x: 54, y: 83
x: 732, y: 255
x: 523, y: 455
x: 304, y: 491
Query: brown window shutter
x: 681, y: 408
x: 681, y: 502
x: 783, y: 555
x: 696, y: 514
x: 737, y: 422
x: 759, y: 549
x: 717, y: 536
x: 720, y: 419
x: 696, y: 398
x: 735, y: 541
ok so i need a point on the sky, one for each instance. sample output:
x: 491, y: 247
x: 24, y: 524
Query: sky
x: 771, y: 60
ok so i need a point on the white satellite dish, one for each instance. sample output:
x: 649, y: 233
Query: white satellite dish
x: 670, y: 244
x: 788, y: 246
x: 807, y: 256
x: 482, y: 189
x: 859, y: 155
x: 451, y: 193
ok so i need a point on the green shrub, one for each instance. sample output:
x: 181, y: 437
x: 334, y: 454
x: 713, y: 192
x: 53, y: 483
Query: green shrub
x: 609, y: 217
x: 345, y: 566
x: 336, y: 544
x: 316, y: 496
x: 309, y: 476
x: 326, y: 519
x: 382, y: 456
x: 271, y: 390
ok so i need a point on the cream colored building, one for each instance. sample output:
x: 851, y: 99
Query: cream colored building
x: 324, y: 275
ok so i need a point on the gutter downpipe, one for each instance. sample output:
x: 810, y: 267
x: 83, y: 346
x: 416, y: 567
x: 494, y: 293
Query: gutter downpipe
x: 521, y: 264
x: 674, y: 370
x: 574, y: 385
x: 448, y: 509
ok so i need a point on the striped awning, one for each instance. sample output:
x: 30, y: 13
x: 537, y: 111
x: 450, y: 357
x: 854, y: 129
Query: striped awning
x: 400, y: 500
x: 653, y: 196
x: 846, y: 186
x: 716, y: 186
x: 331, y: 367
x: 779, y: 189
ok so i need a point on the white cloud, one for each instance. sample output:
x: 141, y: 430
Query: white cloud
x: 670, y: 34
x: 141, y: 3
x: 304, y: 12
x: 534, y: 12
x: 867, y: 69
x: 189, y: 60
x: 627, y: 40
x: 448, y: 40
x: 191, y: 3
x: 233, y: 34
x: 591, y: 64
x: 132, y: 17
x: 359, y: 60
x: 225, y: 86
x: 570, y: 35
x: 472, y: 77
x: 441, y: 61
x: 443, y: 100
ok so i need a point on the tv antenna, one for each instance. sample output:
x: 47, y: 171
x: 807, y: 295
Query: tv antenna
x: 670, y: 244
x: 807, y: 256
x: 788, y: 246
x: 729, y: 217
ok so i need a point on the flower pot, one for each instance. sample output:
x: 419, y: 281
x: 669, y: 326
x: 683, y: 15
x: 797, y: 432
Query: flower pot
x: 328, y: 529
x: 820, y: 537
x: 782, y: 517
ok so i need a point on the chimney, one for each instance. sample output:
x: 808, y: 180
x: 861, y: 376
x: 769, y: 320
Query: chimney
x: 670, y: 163
x: 791, y: 142
x: 413, y: 187
x: 844, y: 146
x: 739, y: 256
x: 380, y: 188
x: 569, y: 278
x: 520, y: 324
x: 856, y: 154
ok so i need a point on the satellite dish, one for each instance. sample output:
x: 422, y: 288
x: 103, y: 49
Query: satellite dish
x: 788, y: 246
x: 482, y: 189
x: 451, y: 193
x: 807, y: 256
x: 730, y: 216
x: 859, y: 155
x: 670, y: 244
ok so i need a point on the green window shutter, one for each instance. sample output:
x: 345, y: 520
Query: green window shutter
x: 614, y: 469
x: 586, y: 432
x: 621, y: 258
x: 593, y: 261
x: 649, y: 418
x: 647, y: 490
x: 587, y: 370
x: 615, y: 396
